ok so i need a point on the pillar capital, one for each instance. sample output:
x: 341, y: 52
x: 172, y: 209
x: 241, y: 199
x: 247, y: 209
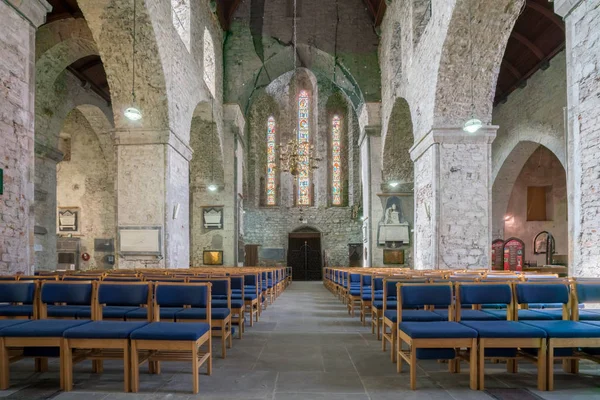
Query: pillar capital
x: 453, y: 135
x: 33, y: 11
x: 138, y: 137
x: 564, y: 7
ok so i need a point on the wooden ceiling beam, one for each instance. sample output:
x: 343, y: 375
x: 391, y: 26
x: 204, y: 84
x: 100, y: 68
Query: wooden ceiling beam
x: 512, y: 69
x: 546, y: 12
x: 380, y: 12
x: 528, y: 43
x: 371, y: 10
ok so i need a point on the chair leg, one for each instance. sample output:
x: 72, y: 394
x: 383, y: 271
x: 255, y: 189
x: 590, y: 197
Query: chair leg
x: 135, y: 368
x: 393, y: 345
x: 66, y: 366
x: 127, y: 366
x: 400, y: 359
x: 481, y: 366
x: 550, y: 366
x: 195, y: 368
x: 4, y: 367
x: 41, y: 364
x: 541, y: 366
x: 473, y: 366
x: 413, y: 368
x: 210, y: 357
x: 384, y: 339
x: 229, y: 334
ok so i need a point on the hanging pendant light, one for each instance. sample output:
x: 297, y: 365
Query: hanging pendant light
x: 133, y: 113
x: 473, y: 124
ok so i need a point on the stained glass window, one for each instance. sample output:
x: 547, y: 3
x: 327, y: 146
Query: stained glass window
x: 271, y: 162
x: 303, y: 150
x: 336, y: 161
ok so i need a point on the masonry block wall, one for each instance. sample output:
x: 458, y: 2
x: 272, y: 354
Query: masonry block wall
x: 17, y: 46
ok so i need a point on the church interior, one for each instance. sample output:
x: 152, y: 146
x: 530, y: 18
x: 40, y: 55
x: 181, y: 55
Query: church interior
x: 300, y: 199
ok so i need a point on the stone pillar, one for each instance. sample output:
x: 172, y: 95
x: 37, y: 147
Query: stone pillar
x: 19, y: 20
x: 582, y: 28
x: 370, y: 153
x: 46, y: 159
x: 152, y: 183
x: 234, y: 121
x: 453, y: 205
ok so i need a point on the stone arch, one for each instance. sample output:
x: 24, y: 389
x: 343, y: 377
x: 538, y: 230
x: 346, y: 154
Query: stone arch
x: 262, y: 107
x: 397, y: 165
x: 492, y: 23
x: 320, y: 63
x: 110, y: 22
x: 505, y: 178
x: 305, y: 229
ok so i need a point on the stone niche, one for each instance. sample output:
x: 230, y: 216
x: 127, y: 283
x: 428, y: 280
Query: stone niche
x: 394, y: 227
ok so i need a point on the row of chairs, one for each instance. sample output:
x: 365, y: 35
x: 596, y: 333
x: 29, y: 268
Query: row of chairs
x: 79, y: 331
x: 135, y: 303
x: 543, y: 300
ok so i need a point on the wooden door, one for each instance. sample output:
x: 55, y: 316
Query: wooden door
x: 251, y: 257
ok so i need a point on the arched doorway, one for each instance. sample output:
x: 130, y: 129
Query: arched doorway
x: 304, y: 254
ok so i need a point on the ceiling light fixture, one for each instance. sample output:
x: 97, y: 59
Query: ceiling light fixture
x: 133, y: 113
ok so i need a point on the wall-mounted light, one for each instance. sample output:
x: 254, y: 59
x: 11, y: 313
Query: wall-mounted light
x: 394, y: 184
x: 133, y: 114
x: 212, y: 187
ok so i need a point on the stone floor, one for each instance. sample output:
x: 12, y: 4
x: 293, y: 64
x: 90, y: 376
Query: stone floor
x: 304, y: 347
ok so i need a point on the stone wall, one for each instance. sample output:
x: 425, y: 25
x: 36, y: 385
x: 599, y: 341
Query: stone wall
x: 85, y: 181
x: 270, y: 228
x: 542, y: 169
x: 17, y: 46
x: 530, y: 116
x: 582, y: 27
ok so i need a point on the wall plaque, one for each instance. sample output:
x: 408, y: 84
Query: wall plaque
x: 69, y: 220
x: 497, y: 254
x: 212, y: 257
x: 393, y: 256
x: 141, y: 241
x: 514, y: 249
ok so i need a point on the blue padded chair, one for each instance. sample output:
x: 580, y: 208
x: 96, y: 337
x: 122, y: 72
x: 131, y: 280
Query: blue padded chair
x: 104, y: 338
x: 67, y: 299
x: 365, y: 297
x: 585, y: 291
x: 122, y: 279
x: 220, y: 314
x: 354, y: 293
x: 20, y: 298
x: 412, y: 312
x: 376, y: 305
x: 565, y: 337
x: 499, y: 338
x: 237, y: 303
x: 432, y: 339
x: 542, y: 294
x: 117, y: 299
x: 175, y: 341
x: 252, y: 296
x: 32, y: 335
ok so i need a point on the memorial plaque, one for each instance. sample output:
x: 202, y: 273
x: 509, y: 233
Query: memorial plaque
x: 497, y: 255
x: 393, y: 256
x: 514, y: 249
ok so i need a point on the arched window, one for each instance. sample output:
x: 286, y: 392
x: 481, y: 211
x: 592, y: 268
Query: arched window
x: 336, y: 161
x: 271, y: 163
x: 304, y: 192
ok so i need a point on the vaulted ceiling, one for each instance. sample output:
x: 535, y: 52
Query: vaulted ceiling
x: 538, y: 35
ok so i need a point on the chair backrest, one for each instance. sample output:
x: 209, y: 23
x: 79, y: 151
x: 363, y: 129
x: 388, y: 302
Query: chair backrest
x: 482, y: 293
x: 81, y: 277
x: 584, y: 292
x: 165, y: 279
x: 70, y: 292
x: 17, y: 292
x: 378, y: 283
x: 354, y: 278
x: 8, y: 278
x: 543, y: 292
x: 173, y: 294
x: 237, y: 282
x: 366, y: 280
x: 417, y: 295
x: 112, y: 278
x: 126, y: 294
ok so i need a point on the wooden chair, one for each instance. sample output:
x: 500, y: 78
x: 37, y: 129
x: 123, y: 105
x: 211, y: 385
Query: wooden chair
x: 436, y: 339
x: 22, y: 298
x: 499, y: 339
x: 174, y: 341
